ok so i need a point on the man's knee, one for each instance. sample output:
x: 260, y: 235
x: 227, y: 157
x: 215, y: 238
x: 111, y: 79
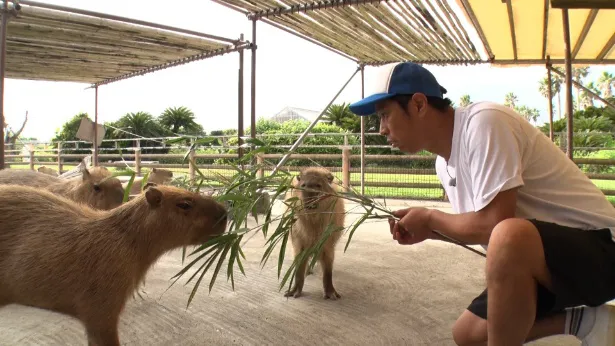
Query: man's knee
x: 469, y: 329
x: 515, y: 245
x: 513, y: 233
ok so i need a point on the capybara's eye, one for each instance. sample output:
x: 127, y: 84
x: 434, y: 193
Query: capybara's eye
x: 96, y: 187
x: 184, y: 205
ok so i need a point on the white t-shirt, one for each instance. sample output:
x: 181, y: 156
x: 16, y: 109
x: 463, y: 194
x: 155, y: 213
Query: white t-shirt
x: 495, y: 149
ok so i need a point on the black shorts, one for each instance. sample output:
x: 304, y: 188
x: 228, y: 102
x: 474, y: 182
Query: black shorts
x: 582, y: 267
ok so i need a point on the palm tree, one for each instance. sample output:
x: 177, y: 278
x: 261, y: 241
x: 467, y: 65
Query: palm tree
x: 587, y: 99
x: 180, y: 120
x: 556, y: 86
x: 578, y: 73
x: 510, y: 100
x: 139, y: 124
x: 464, y: 100
x: 336, y: 114
x: 605, y: 82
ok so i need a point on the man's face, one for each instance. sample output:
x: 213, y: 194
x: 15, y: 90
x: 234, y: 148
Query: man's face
x: 408, y: 131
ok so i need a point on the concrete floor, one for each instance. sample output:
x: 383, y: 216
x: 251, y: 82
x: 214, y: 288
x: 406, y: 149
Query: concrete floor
x: 391, y: 295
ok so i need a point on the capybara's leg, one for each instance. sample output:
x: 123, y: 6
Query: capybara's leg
x: 299, y: 280
x: 103, y: 332
x: 326, y: 262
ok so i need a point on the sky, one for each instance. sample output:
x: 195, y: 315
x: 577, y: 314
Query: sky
x: 290, y: 72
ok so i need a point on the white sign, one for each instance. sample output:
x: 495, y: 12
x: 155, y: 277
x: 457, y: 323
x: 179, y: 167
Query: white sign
x: 86, y: 131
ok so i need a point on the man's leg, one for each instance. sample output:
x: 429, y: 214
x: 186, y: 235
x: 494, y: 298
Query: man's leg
x: 515, y: 263
x: 471, y: 330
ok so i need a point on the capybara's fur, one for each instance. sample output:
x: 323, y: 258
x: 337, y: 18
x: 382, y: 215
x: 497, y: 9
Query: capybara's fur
x: 47, y: 170
x: 317, y: 206
x: 158, y: 176
x: 66, y: 257
x: 96, y: 187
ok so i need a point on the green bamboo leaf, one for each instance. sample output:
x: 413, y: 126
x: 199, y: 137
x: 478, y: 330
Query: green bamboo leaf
x: 205, y: 141
x: 282, y: 252
x: 144, y: 180
x: 198, y: 283
x: 175, y: 140
x: 128, y: 188
x: 196, y: 260
x: 219, y: 265
x: 356, y: 225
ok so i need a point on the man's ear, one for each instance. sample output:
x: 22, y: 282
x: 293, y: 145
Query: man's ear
x: 419, y: 101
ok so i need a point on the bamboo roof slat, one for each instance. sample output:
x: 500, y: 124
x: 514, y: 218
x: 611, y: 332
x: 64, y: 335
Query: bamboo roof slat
x: 376, y: 32
x: 371, y: 31
x: 63, y: 44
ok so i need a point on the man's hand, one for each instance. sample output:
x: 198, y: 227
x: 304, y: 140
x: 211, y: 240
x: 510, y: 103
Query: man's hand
x: 412, y: 228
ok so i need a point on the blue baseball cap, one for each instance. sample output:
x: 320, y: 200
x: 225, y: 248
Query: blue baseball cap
x: 399, y: 79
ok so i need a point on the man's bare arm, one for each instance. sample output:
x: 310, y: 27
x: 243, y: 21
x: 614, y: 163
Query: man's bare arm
x: 474, y: 228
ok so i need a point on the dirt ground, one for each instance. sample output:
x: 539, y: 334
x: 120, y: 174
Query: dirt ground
x: 391, y: 295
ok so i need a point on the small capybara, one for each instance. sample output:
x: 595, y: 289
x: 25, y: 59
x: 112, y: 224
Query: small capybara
x: 316, y: 207
x: 47, y: 170
x: 66, y: 257
x: 96, y: 187
x: 158, y: 176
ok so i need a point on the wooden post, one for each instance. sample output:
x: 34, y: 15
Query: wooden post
x: 59, y: 157
x: 259, y: 162
x: 138, y: 161
x: 32, y: 159
x: 550, y: 97
x: 346, y: 168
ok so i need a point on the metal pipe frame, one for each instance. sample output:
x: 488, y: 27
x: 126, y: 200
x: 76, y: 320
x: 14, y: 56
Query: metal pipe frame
x: 253, y: 84
x: 362, y: 133
x: 591, y: 92
x: 316, y: 5
x: 240, y: 105
x: 182, y: 61
x: 311, y: 126
x: 553, y: 61
x: 3, y: 26
x: 125, y: 20
x: 550, y: 96
x: 95, y: 126
x: 568, y: 78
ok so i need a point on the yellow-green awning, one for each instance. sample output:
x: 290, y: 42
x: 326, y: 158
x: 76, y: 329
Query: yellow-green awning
x: 530, y: 30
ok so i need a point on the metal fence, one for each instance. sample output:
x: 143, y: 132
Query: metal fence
x: 388, y: 173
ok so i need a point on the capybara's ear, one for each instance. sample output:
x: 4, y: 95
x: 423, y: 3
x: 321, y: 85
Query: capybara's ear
x: 148, y: 184
x: 153, y: 196
x: 86, y: 174
x: 154, y: 169
x: 330, y: 177
x: 298, y: 177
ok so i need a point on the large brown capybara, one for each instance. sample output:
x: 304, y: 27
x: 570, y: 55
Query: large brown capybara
x: 315, y: 208
x: 96, y: 187
x: 92, y: 261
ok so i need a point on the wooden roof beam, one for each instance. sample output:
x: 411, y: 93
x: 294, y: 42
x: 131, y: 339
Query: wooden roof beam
x: 591, y: 4
x: 588, y: 24
x: 607, y: 48
x: 511, y: 23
